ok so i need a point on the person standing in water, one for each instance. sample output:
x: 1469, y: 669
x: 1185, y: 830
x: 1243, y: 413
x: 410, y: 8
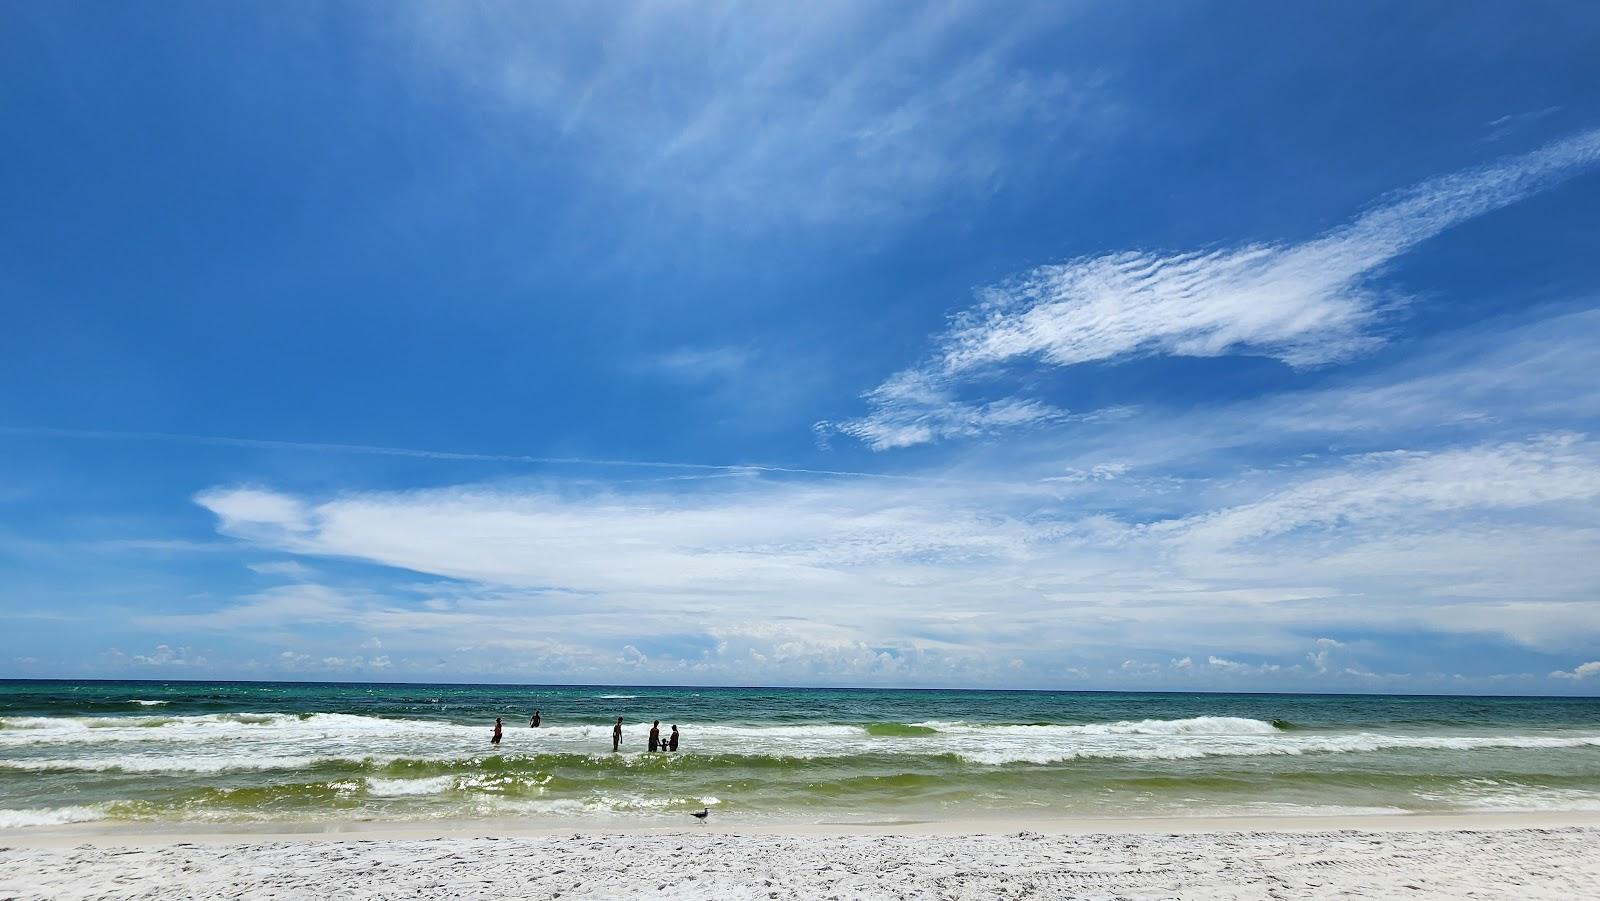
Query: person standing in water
x: 672, y: 740
x: 616, y: 736
x: 495, y: 739
x: 533, y: 722
x: 655, y: 736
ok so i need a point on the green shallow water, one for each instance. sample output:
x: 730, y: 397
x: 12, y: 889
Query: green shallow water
x: 253, y: 752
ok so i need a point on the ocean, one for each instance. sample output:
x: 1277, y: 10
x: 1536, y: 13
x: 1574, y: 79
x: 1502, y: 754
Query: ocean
x: 304, y: 754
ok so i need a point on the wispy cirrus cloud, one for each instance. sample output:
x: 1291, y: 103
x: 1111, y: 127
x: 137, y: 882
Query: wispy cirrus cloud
x: 748, y: 384
x: 917, y: 407
x: 1307, y: 304
x: 1494, y: 383
x: 699, y: 364
x: 1526, y: 474
x: 424, y: 454
x: 281, y: 568
x: 916, y: 410
x: 820, y: 113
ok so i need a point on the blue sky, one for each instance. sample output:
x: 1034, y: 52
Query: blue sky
x: 1211, y: 346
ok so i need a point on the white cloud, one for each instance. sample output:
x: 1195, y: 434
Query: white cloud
x: 166, y: 655
x: 1506, y: 476
x: 915, y: 407
x: 303, y: 663
x: 948, y: 576
x: 821, y: 113
x: 935, y: 416
x: 944, y: 580
x: 1319, y: 657
x: 287, y: 568
x: 1146, y: 670
x: 1502, y: 127
x: 1306, y: 304
x: 1100, y: 472
x: 697, y: 364
x: 242, y: 508
x: 1582, y: 671
x: 1527, y: 376
x: 747, y: 538
x: 1519, y: 378
x: 283, y: 606
x: 1233, y: 666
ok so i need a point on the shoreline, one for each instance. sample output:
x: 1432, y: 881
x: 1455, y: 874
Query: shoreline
x: 161, y: 834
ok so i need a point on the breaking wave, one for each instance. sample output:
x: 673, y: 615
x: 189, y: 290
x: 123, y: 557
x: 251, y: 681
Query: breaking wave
x: 50, y: 816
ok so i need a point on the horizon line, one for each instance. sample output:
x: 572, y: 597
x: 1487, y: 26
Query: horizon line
x: 754, y: 687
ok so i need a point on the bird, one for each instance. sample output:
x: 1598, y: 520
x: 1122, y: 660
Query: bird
x: 700, y: 815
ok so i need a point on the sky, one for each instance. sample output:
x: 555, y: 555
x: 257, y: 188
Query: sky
x: 1204, y: 346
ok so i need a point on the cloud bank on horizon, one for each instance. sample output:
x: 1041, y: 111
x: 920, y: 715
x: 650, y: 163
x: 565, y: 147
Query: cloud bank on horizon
x: 637, y: 345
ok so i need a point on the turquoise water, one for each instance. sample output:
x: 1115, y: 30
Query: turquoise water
x: 235, y: 752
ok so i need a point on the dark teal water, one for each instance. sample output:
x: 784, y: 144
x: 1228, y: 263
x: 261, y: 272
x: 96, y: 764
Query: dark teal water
x: 275, y: 752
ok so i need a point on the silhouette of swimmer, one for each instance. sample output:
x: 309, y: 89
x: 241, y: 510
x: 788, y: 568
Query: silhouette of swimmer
x: 533, y: 723
x: 672, y: 740
x: 616, y: 736
x: 495, y: 739
x: 655, y: 736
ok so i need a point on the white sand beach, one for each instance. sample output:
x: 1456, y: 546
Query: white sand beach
x: 1455, y: 857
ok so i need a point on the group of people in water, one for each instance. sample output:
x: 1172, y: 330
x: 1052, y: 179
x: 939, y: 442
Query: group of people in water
x: 658, y: 742
x: 498, y: 729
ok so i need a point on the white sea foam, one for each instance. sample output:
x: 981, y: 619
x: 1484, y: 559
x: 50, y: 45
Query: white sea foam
x: 777, y: 732
x: 404, y: 787
x: 1505, y: 795
x: 88, y: 730
x: 163, y: 763
x: 618, y: 697
x: 608, y: 803
x: 1237, y: 746
x: 214, y: 743
x: 522, y: 807
x: 144, y: 703
x: 50, y: 816
x: 1199, y: 725
x: 1315, y: 810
